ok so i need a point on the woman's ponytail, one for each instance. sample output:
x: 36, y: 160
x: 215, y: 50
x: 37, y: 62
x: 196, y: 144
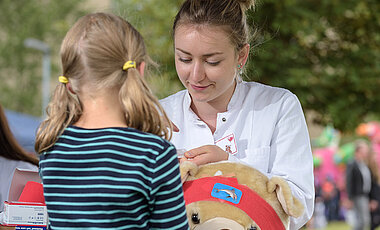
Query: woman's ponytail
x: 246, y: 4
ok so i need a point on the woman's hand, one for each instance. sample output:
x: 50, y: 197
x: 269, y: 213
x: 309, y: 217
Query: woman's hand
x: 205, y: 154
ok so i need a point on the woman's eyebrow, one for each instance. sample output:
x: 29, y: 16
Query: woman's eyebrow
x: 204, y: 55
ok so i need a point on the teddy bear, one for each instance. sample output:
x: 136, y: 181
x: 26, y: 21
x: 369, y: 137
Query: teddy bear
x: 232, y: 195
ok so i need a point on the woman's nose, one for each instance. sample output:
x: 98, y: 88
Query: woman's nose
x: 198, y: 72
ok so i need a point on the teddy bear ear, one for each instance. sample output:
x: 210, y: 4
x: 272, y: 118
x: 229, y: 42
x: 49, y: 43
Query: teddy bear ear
x: 291, y: 205
x: 187, y: 168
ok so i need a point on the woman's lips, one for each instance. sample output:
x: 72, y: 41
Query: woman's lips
x: 198, y: 87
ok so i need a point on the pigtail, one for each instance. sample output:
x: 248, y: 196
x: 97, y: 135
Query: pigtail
x: 64, y: 107
x: 142, y: 109
x: 62, y: 110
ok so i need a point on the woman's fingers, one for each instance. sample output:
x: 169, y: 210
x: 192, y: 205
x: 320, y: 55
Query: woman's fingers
x: 206, y: 154
x: 175, y: 128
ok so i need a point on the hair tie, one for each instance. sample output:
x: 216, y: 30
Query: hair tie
x: 63, y: 79
x: 129, y: 64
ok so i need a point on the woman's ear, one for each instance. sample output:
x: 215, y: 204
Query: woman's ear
x: 243, y: 55
x: 141, y: 68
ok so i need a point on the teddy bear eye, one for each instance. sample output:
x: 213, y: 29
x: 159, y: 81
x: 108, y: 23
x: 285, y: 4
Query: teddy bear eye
x: 252, y: 228
x: 195, y: 218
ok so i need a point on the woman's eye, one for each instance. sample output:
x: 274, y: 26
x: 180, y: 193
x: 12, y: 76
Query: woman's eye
x: 184, y: 60
x: 213, y: 63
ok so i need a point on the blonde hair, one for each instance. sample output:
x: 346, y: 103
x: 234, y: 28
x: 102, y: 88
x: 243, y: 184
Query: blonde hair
x: 229, y: 14
x: 94, y: 51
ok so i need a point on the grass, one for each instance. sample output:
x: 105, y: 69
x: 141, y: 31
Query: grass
x: 340, y: 225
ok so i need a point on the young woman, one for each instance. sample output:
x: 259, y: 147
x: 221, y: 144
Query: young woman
x: 104, y: 161
x: 219, y: 116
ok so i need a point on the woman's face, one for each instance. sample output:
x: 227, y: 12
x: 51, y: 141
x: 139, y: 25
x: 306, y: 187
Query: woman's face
x: 206, y: 63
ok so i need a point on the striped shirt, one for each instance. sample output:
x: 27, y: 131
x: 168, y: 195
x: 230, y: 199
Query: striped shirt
x: 112, y: 178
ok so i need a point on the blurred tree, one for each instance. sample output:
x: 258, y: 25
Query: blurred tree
x: 20, y: 67
x: 326, y: 52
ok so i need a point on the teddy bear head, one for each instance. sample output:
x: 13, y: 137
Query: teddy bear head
x: 230, y: 195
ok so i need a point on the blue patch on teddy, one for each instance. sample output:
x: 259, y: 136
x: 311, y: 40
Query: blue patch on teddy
x: 226, y: 192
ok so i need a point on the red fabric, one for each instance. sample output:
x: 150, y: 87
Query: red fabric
x: 251, y: 203
x: 32, y: 192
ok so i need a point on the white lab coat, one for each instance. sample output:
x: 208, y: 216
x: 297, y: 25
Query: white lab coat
x: 263, y: 127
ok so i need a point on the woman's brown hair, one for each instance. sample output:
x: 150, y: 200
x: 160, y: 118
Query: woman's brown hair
x: 229, y: 14
x: 94, y: 51
x: 9, y: 147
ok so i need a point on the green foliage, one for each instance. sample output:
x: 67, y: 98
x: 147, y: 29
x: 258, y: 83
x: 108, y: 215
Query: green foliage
x: 21, y: 67
x: 326, y: 52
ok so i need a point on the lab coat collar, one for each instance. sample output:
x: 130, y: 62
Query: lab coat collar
x: 187, y: 110
x: 238, y: 96
x: 187, y: 101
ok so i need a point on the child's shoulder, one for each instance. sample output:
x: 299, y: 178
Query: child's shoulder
x: 119, y: 138
x: 126, y: 132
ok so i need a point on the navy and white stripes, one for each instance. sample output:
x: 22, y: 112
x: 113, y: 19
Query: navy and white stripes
x: 112, y: 178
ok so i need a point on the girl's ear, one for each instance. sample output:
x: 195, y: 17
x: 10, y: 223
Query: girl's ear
x: 243, y: 55
x: 69, y: 88
x: 141, y: 68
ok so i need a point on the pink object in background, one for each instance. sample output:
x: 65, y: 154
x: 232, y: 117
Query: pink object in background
x: 328, y: 169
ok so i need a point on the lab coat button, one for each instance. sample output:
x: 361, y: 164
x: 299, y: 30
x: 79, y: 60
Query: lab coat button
x: 224, y: 119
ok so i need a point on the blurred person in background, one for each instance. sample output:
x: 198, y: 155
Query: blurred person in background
x: 374, y: 195
x: 12, y: 156
x: 331, y: 199
x: 358, y: 183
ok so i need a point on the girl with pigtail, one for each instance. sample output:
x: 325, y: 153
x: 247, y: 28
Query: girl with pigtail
x: 221, y: 117
x: 106, y: 162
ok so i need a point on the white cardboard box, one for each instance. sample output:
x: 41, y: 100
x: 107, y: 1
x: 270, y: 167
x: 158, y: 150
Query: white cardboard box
x: 20, y: 213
